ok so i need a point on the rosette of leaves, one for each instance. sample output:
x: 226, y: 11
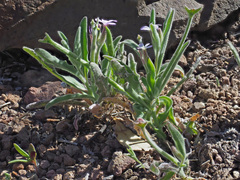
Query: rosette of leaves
x: 146, y: 91
x: 85, y: 69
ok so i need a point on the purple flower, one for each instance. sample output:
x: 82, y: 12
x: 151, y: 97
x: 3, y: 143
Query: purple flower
x: 141, y: 46
x: 147, y: 28
x: 107, y: 22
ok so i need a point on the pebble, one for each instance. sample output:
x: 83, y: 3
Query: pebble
x: 72, y: 150
x: 119, y: 163
x: 48, y: 139
x: 236, y: 174
x: 43, y: 114
x: 22, y: 172
x: 50, y: 174
x: 69, y: 175
x: 67, y: 160
x: 16, y: 167
x: 198, y: 106
x: 62, y: 126
x: 58, y: 177
x: 44, y: 164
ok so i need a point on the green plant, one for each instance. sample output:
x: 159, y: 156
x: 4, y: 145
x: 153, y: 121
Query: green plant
x: 178, y: 162
x: 7, y: 176
x: 146, y: 92
x: 88, y: 72
x: 235, y: 52
x: 30, y: 156
x: 149, y: 105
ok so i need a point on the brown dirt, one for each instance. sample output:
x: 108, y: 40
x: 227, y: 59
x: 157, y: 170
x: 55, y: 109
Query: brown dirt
x: 71, y: 143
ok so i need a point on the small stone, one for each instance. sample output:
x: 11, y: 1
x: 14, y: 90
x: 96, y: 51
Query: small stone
x: 16, y: 167
x: 236, y: 174
x: 62, y: 126
x: 4, y: 154
x: 44, y: 164
x: 225, y: 80
x: 44, y: 114
x: 50, y: 156
x: 189, y: 85
x: 72, y: 150
x: 127, y: 174
x: 50, y: 174
x: 197, y: 106
x: 82, y: 168
x: 183, y: 61
x: 67, y: 160
x: 58, y: 159
x: 207, y: 94
x: 48, y: 139
x: 58, y: 177
x: 54, y: 166
x: 7, y: 142
x: 22, y: 172
x: 107, y: 151
x: 30, y: 168
x: 41, y: 149
x: 69, y: 175
x: 218, y: 159
x: 96, y: 173
x: 48, y: 127
x: 119, y: 163
x: 60, y: 171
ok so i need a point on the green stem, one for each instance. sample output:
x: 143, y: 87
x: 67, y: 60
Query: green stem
x: 158, y: 149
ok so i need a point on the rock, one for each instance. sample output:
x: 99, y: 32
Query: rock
x: 225, y: 80
x: 48, y: 139
x: 51, y: 16
x: 69, y: 175
x: 106, y: 151
x: 45, y: 92
x: 58, y: 159
x: 236, y: 174
x: 50, y: 174
x: 197, y: 106
x: 207, y: 94
x: 71, y: 150
x: 17, y: 166
x: 119, y: 163
x: 96, y: 173
x: 44, y: 164
x: 67, y: 160
x: 4, y: 154
x: 60, y: 171
x: 183, y: 61
x: 50, y: 156
x: 54, y: 166
x: 62, y: 126
x: 43, y: 114
x: 14, y: 98
x: 6, y: 142
x: 40, y: 77
x: 30, y: 168
x: 22, y: 172
x: 189, y: 85
x: 57, y: 176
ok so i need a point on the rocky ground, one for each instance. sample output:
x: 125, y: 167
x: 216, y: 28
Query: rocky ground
x: 71, y: 143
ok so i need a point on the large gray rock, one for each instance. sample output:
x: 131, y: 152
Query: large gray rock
x: 24, y: 22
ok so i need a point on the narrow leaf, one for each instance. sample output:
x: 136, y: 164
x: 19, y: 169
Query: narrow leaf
x: 177, y: 138
x: 84, y: 38
x: 21, y: 151
x: 67, y: 97
x: 109, y: 42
